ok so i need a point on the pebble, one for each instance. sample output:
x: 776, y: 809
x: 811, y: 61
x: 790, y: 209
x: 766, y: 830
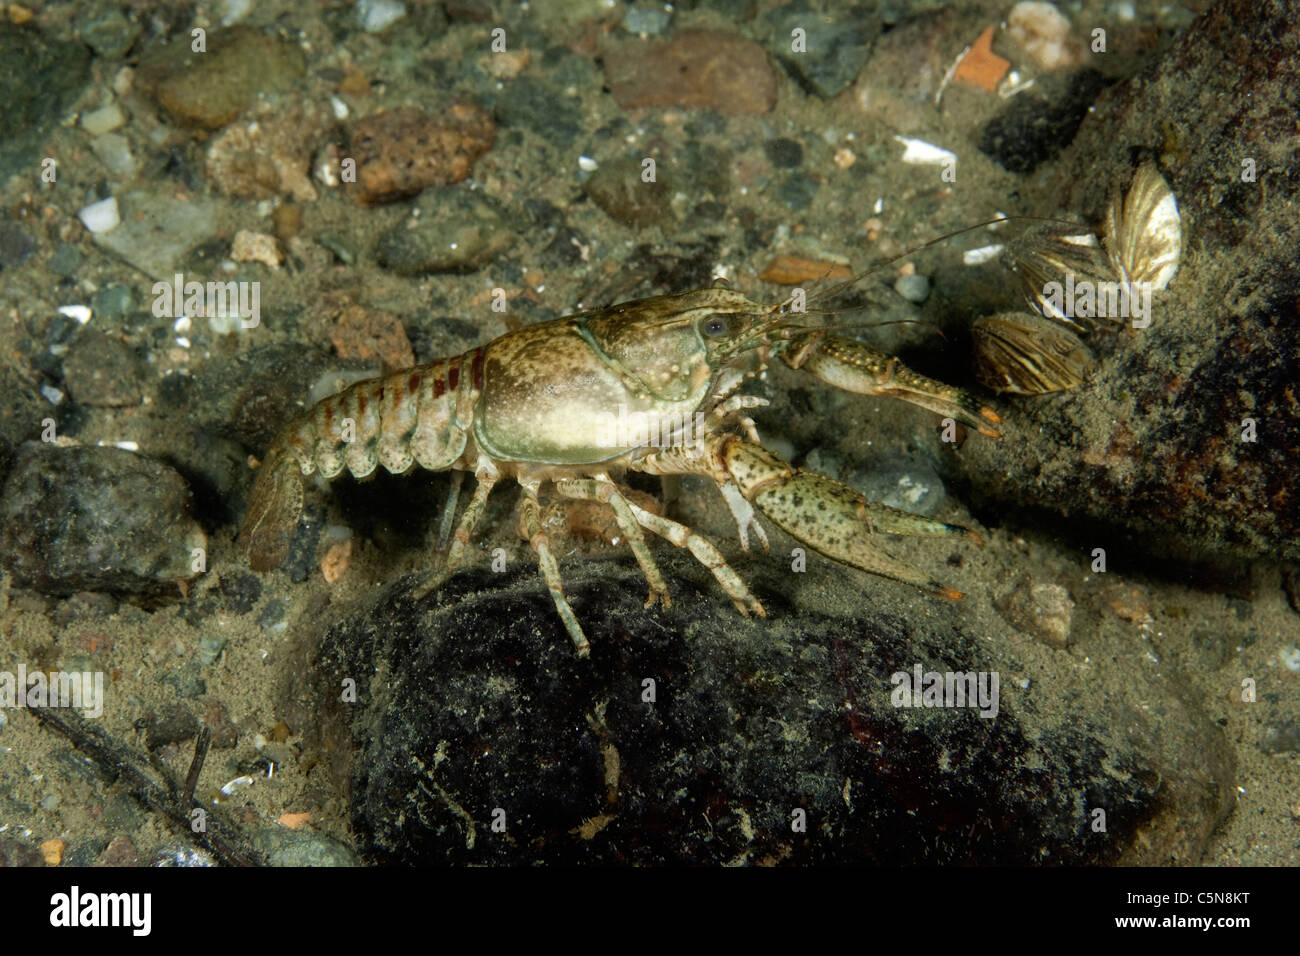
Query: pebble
x: 296, y: 848
x: 100, y: 216
x: 450, y: 230
x: 1032, y: 128
x: 16, y: 244
x: 42, y: 78
x: 269, y: 155
x: 255, y: 247
x: 210, y: 649
x: 647, y: 19
x: 102, y: 371
x: 403, y: 151
x: 111, y: 34
x: 171, y: 725
x: 696, y: 69
x: 103, y: 120
x: 913, y: 487
x: 376, y: 16
x: 96, y: 519
x: 792, y: 270
x: 1044, y: 611
x: 839, y: 40
x: 159, y: 231
x: 1044, y: 33
x: 114, y: 151
x: 361, y: 333
x: 784, y: 153
x: 913, y: 288
x: 52, y: 851
x: 210, y: 89
x: 618, y: 190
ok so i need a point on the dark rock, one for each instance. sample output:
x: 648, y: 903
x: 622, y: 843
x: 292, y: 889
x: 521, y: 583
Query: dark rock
x: 14, y: 852
x: 16, y: 244
x: 171, y: 725
x: 483, y: 707
x: 210, y: 89
x: 22, y: 409
x: 695, y: 69
x: 96, y: 519
x: 618, y: 189
x: 111, y: 34
x: 1033, y: 129
x: 839, y: 40
x: 451, y: 230
x: 1151, y: 449
x: 41, y: 80
x: 302, y: 848
x: 784, y: 153
x: 102, y: 370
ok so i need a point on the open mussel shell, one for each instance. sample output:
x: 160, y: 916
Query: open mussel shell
x: 1144, y: 232
x: 1028, y: 354
x: 1052, y: 255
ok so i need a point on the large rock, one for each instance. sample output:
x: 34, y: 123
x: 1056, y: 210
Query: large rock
x: 1156, y: 444
x: 473, y: 705
x: 96, y: 519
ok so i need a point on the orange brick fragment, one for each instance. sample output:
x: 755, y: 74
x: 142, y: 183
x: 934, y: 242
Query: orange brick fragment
x: 791, y: 270
x: 981, y: 67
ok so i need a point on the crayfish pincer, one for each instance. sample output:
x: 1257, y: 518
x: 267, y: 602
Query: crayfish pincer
x: 649, y: 386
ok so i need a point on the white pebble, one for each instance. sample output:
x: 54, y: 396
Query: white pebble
x: 975, y: 257
x: 232, y: 11
x: 104, y: 120
x: 586, y: 164
x: 52, y: 394
x: 920, y: 153
x: 182, y: 324
x: 100, y: 216
x: 339, y: 107
x: 375, y: 16
x: 79, y: 312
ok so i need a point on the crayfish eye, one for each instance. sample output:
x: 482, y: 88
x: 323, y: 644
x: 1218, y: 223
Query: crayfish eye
x: 718, y: 325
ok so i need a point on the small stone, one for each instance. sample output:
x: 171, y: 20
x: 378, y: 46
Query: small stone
x: 103, y: 120
x: 1043, y: 610
x: 52, y: 851
x: 1032, y: 129
x: 102, y: 371
x: 269, y: 155
x: 159, y: 231
x: 507, y: 64
x: 120, y: 852
x: 224, y: 732
x: 450, y: 230
x: 16, y: 244
x: 302, y: 848
x: 255, y: 247
x: 618, y: 189
x: 1128, y: 601
x: 696, y: 69
x: 647, y: 19
x: 113, y: 302
x: 173, y: 724
x: 100, y: 216
x: 114, y: 151
x: 838, y: 37
x: 41, y: 80
x: 403, y: 151
x: 17, y: 853
x: 361, y: 333
x: 376, y: 16
x: 784, y: 153
x: 111, y: 34
x: 1044, y: 33
x: 96, y: 519
x: 210, y: 649
x: 210, y: 89
x: 913, y: 288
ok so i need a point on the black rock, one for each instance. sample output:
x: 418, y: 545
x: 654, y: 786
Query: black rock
x: 475, y: 710
x: 1033, y: 129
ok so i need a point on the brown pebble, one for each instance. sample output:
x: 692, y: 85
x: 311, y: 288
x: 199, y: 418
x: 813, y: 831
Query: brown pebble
x: 701, y: 69
x: 354, y: 84
x: 120, y: 852
x: 401, y: 152
x: 1042, y: 610
x: 280, y: 732
x: 335, y: 563
x: 286, y: 221
x: 52, y: 851
x: 791, y: 270
x: 369, y: 334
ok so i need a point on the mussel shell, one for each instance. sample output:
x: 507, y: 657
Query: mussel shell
x: 1048, y: 254
x: 1027, y: 354
x: 1144, y: 233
